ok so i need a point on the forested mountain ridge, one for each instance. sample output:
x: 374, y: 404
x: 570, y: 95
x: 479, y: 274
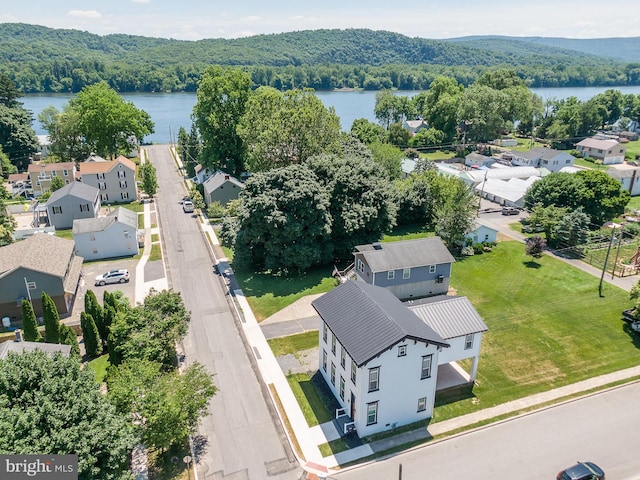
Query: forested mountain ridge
x: 42, y: 59
x: 625, y: 49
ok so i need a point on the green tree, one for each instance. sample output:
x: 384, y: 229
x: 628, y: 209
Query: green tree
x: 546, y: 219
x: 69, y: 337
x: 65, y: 133
x: 171, y: 403
x: 17, y: 138
x: 51, y: 320
x: 90, y: 335
x: 30, y: 323
x: 7, y: 222
x: 559, y: 189
x: 93, y: 308
x: 430, y: 137
x: 50, y: 405
x: 368, y: 132
x: 6, y: 167
x: 440, y: 105
x: 222, y: 98
x: 572, y: 229
x: 456, y: 217
x: 57, y: 183
x: 149, y: 178
x: 108, y: 124
x: 284, y: 220
x: 391, y: 108
x: 398, y: 135
x: 389, y: 157
x: 281, y: 129
x: 605, y: 199
x: 196, y: 198
x: 483, y: 108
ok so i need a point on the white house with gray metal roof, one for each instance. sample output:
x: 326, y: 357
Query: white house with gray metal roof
x: 114, y: 235
x: 409, y: 268
x: 378, y: 357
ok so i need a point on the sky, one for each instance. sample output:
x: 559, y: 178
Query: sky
x: 198, y: 19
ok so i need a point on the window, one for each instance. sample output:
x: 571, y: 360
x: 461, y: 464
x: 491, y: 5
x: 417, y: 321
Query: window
x: 124, y: 195
x: 374, y: 379
x: 343, y: 357
x: 341, y: 387
x: 333, y: 373
x: 93, y: 237
x: 402, y: 351
x: 65, y: 173
x: 123, y: 184
x: 57, y: 209
x: 84, y: 207
x: 426, y: 367
x: 353, y: 372
x: 104, y: 197
x: 406, y: 273
x: 422, y: 404
x: 102, y: 185
x: 122, y: 174
x: 391, y: 274
x: 360, y: 265
x: 568, y: 161
x: 100, y: 176
x: 324, y: 360
x: 372, y: 413
x: 432, y: 269
x: 333, y: 344
x: 67, y: 181
x: 324, y: 332
x: 54, y: 174
x: 468, y: 341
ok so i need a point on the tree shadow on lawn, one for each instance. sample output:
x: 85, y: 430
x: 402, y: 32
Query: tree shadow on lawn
x: 532, y: 264
x: 635, y: 336
x: 319, y: 398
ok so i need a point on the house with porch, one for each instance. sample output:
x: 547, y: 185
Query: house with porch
x: 383, y: 359
x: 408, y: 269
x: 72, y: 202
x: 39, y: 263
x: 40, y: 175
x: 115, y: 179
x: 114, y: 235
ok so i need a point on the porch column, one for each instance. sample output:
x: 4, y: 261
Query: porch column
x: 474, y: 368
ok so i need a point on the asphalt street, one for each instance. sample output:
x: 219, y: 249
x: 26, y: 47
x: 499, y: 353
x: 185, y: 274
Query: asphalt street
x: 241, y: 439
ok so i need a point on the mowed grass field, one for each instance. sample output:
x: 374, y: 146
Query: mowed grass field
x: 548, y: 327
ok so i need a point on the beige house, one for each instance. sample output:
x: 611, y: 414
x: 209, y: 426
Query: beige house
x: 607, y: 150
x: 115, y: 179
x: 41, y: 174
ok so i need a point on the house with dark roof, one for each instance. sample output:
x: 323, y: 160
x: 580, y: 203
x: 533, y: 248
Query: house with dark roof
x: 39, y: 263
x: 221, y: 187
x: 378, y: 358
x: 408, y: 269
x: 114, y: 235
x: 73, y: 201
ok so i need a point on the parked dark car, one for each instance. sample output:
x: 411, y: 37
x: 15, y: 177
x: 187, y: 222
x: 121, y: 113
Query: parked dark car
x: 582, y: 471
x: 510, y: 211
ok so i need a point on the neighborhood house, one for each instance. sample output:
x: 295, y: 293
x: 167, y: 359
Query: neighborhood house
x: 71, y: 202
x: 114, y: 235
x: 40, y: 175
x: 116, y: 179
x: 607, y: 150
x: 221, y: 187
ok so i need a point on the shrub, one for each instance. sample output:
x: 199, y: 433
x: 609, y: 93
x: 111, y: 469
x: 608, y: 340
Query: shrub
x: 478, y: 248
x: 467, y: 251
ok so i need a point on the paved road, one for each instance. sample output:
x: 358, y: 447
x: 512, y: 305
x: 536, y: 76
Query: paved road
x: 602, y: 428
x: 243, y: 441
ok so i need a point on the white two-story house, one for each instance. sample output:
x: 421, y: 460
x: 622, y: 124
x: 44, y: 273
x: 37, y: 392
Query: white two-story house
x: 116, y: 179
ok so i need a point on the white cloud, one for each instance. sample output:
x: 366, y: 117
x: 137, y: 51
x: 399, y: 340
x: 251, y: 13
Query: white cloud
x: 84, y: 14
x: 141, y: 1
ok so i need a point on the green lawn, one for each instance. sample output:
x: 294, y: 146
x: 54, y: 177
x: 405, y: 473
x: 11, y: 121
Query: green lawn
x: 156, y: 252
x: 633, y: 149
x: 407, y: 232
x: 133, y: 206
x: 634, y: 204
x: 66, y: 233
x: 294, y: 343
x: 316, y: 400
x: 547, y: 327
x: 580, y: 162
x: 99, y: 366
x: 268, y: 294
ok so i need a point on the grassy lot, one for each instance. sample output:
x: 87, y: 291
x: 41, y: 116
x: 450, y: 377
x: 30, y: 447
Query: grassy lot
x: 133, y: 206
x: 99, y: 366
x: 294, y: 343
x: 437, y: 155
x: 268, y: 294
x: 66, y: 233
x: 634, y: 204
x: 580, y: 162
x: 547, y: 327
x: 156, y: 252
x: 407, y: 232
x: 155, y: 237
x: 316, y: 400
x: 633, y: 149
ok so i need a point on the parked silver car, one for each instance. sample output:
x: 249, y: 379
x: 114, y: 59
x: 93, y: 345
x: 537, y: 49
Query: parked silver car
x: 114, y: 276
x: 188, y: 206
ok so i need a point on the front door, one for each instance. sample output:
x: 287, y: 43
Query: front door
x: 353, y: 407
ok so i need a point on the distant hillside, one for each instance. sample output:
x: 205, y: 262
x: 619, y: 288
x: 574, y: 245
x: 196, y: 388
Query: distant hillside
x: 620, y: 48
x: 41, y: 59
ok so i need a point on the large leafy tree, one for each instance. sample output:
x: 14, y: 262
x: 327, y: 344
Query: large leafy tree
x: 107, y: 123
x: 361, y: 204
x: 7, y: 222
x: 221, y: 102
x: 604, y: 197
x: 93, y: 308
x: 456, y: 216
x: 281, y: 129
x: 17, y: 138
x: 147, y: 173
x: 572, y: 229
x: 50, y: 405
x: 169, y: 404
x: 559, y: 189
x: 368, y: 132
x: 440, y: 105
x: 284, y: 220
x: 391, y: 108
x: 67, y: 141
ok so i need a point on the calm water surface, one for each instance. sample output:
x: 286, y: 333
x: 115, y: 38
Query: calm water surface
x: 170, y: 111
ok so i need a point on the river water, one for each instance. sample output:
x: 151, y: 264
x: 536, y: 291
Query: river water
x: 170, y: 111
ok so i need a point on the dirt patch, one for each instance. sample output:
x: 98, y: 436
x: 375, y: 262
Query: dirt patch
x: 305, y: 361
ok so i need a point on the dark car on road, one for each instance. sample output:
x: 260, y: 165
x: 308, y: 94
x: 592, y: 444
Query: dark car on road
x: 582, y: 471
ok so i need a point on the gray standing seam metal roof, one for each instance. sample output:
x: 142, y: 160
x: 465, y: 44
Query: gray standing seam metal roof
x: 449, y: 316
x: 405, y: 254
x: 77, y: 189
x: 367, y: 320
x: 41, y: 252
x: 120, y: 214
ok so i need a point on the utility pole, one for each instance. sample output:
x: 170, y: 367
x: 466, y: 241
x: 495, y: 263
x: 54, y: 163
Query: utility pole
x: 606, y: 258
x: 615, y: 263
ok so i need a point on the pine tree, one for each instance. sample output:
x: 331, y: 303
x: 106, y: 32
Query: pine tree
x: 93, y: 308
x: 51, y: 320
x: 68, y: 337
x: 30, y: 323
x: 109, y: 298
x: 109, y: 318
x: 90, y: 334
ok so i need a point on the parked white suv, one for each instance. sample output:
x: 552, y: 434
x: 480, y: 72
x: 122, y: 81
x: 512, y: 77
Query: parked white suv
x: 114, y: 276
x: 188, y: 206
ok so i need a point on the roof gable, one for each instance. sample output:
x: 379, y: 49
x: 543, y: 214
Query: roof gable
x: 405, y: 254
x: 40, y: 252
x: 218, y: 179
x: 119, y: 215
x: 91, y: 167
x: 367, y: 320
x: 76, y: 189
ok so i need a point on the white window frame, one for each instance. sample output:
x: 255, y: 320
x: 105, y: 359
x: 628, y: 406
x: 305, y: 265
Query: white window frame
x: 324, y: 360
x: 374, y: 379
x: 341, y: 387
x: 333, y: 344
x: 422, y: 404
x: 468, y: 341
x: 333, y: 374
x: 406, y: 273
x: 353, y: 371
x: 372, y: 413
x: 343, y: 356
x: 124, y: 195
x: 402, y: 350
x: 324, y: 332
x: 391, y: 274
x: 56, y: 209
x: 432, y: 268
x: 427, y: 363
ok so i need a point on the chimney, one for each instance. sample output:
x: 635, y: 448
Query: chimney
x: 377, y: 245
x: 18, y: 335
x: 226, y: 177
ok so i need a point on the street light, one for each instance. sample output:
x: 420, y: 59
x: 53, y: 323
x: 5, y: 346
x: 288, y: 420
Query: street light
x: 187, y: 460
